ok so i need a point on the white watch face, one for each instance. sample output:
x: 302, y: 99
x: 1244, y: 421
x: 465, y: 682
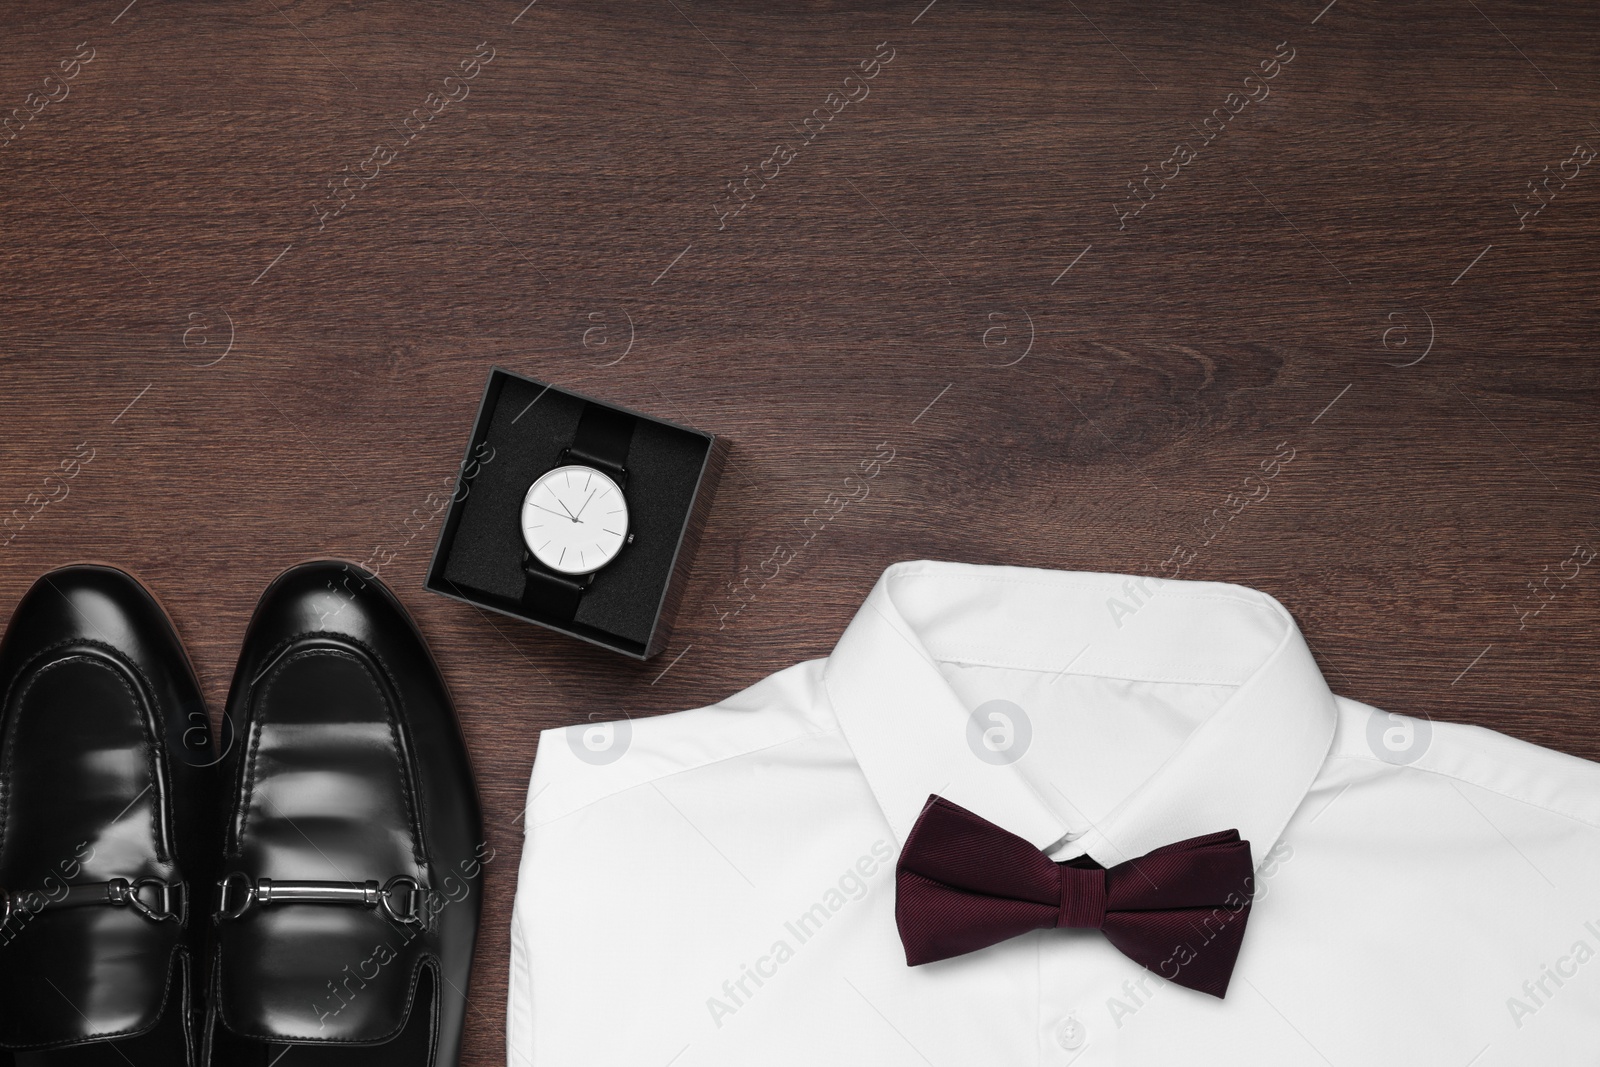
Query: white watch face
x: 574, y: 519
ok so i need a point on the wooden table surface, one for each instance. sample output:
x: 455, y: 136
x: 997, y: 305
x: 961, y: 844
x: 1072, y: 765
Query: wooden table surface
x: 1294, y: 296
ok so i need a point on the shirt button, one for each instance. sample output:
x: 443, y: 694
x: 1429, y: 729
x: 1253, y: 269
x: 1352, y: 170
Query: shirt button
x: 1071, y: 1034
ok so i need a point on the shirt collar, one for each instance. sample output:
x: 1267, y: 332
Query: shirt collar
x: 1247, y: 766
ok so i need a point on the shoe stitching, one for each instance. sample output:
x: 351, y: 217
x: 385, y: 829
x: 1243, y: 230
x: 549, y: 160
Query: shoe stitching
x: 408, y: 781
x: 427, y: 960
x: 418, y: 837
x: 33, y: 675
x: 180, y: 959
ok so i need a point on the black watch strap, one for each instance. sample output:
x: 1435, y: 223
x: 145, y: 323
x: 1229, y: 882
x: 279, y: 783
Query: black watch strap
x: 603, y: 438
x: 552, y: 595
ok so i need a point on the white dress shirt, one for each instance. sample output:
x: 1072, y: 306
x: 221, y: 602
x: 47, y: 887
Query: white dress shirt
x: 717, y: 886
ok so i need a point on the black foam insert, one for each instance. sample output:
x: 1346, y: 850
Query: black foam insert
x: 529, y: 425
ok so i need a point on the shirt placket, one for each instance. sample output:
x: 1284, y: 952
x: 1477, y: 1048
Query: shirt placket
x: 1076, y: 1025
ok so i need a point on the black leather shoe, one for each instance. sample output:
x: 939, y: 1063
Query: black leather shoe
x: 107, y: 828
x: 348, y: 900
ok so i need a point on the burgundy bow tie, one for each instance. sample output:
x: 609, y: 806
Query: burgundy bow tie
x: 963, y: 883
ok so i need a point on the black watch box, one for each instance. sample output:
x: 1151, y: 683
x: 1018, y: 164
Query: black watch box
x: 525, y: 428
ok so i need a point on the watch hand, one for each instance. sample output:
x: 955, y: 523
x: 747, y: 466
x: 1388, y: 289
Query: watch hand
x: 558, y: 514
x: 585, y: 504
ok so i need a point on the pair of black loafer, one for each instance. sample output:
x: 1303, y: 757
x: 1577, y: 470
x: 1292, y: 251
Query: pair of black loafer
x: 306, y: 896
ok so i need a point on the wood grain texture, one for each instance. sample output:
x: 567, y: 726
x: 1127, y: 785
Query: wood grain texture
x: 941, y: 270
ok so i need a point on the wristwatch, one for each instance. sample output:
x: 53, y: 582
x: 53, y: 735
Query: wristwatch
x: 574, y: 516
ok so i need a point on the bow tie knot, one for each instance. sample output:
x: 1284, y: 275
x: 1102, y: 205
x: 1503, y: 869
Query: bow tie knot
x: 963, y: 884
x: 1083, y: 898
